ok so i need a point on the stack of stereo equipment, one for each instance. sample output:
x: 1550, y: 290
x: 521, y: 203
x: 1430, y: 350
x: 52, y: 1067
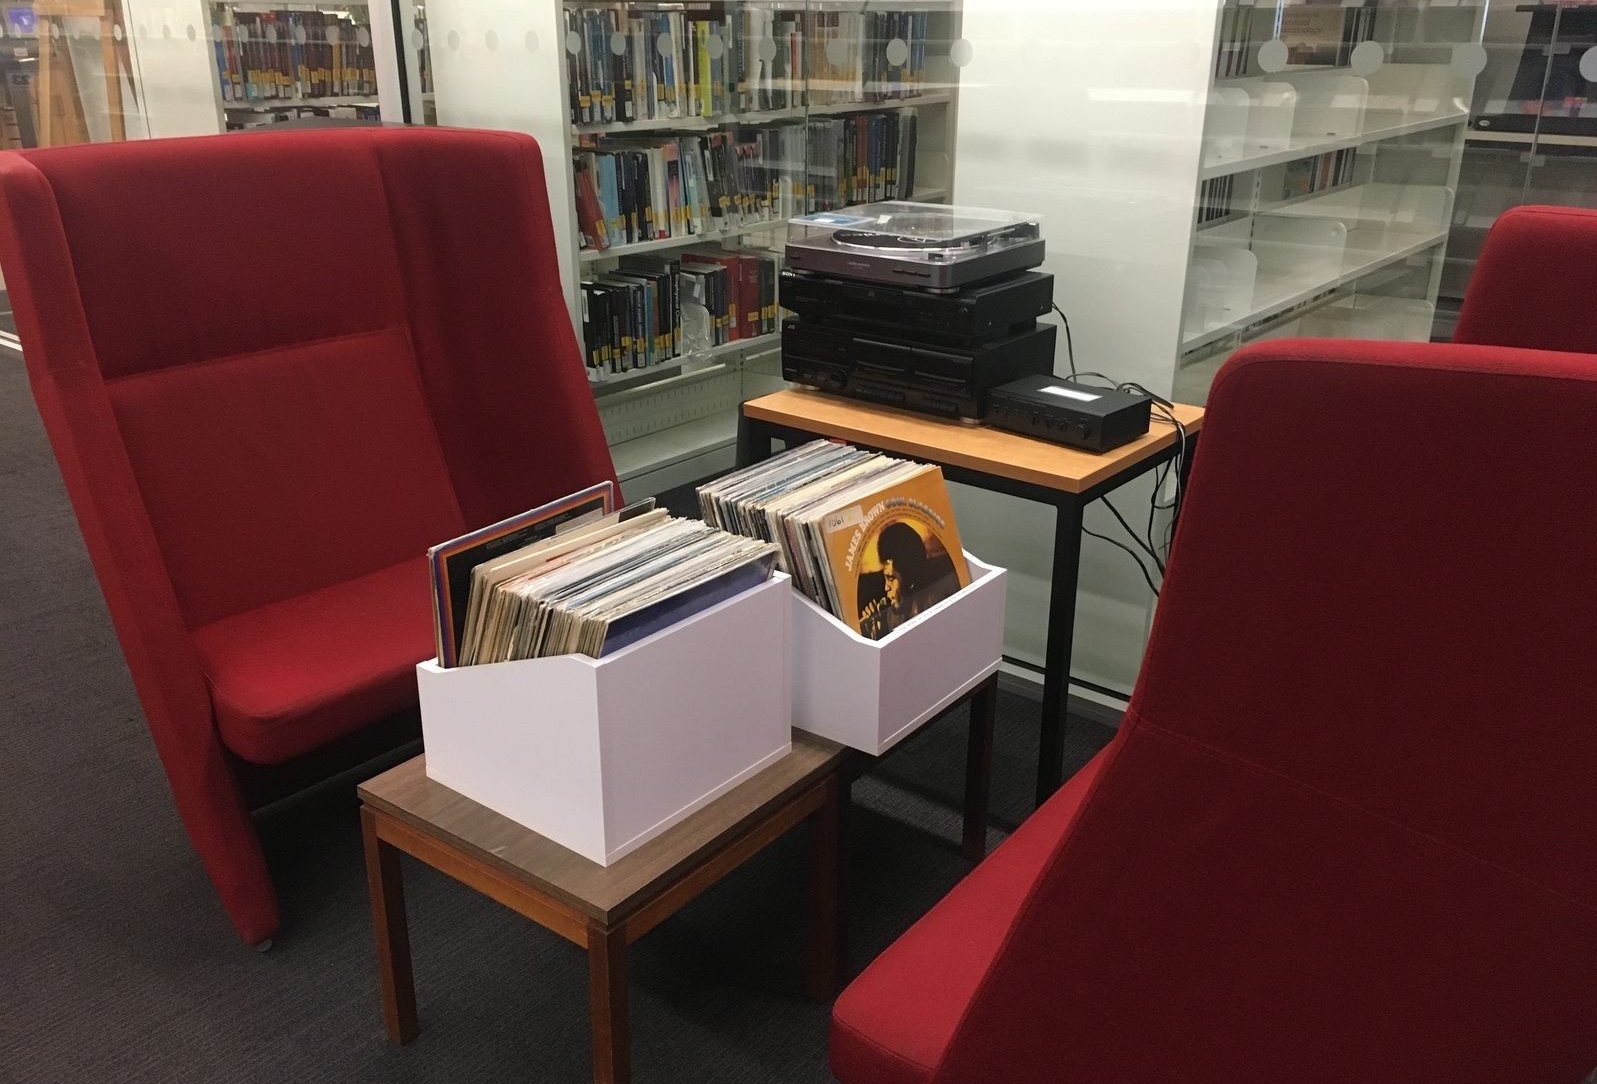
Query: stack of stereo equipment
x: 915, y: 305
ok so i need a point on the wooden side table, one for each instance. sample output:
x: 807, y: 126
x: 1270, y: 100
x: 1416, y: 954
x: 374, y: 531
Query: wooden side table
x: 600, y: 909
x: 1036, y: 470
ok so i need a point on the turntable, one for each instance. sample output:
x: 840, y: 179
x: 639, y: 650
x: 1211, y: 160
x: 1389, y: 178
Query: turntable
x: 924, y: 245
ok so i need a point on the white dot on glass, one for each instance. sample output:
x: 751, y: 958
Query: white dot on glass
x: 1367, y: 58
x: 190, y: 32
x: 271, y: 34
x: 530, y: 41
x: 418, y: 40
x: 766, y: 49
x: 1273, y: 56
x: 663, y: 43
x: 961, y: 53
x: 1588, y: 65
x: 573, y: 42
x: 1469, y: 59
x: 452, y: 39
x: 300, y: 35
x: 491, y: 40
x: 332, y: 35
x: 363, y: 37
x: 715, y: 47
x: 618, y: 43
x: 116, y: 32
x: 55, y: 30
x: 836, y: 51
x: 898, y: 52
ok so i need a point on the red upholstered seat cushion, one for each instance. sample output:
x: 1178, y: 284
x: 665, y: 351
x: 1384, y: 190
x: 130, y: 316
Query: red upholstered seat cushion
x: 293, y: 675
x: 893, y: 1023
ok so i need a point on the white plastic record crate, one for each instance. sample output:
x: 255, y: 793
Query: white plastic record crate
x: 602, y: 755
x: 872, y: 694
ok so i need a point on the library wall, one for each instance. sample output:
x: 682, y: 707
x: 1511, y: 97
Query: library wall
x: 1090, y: 114
x: 496, y: 64
x: 176, y: 63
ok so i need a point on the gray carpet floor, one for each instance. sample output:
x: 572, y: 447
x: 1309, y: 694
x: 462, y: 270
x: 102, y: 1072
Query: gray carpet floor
x: 117, y: 964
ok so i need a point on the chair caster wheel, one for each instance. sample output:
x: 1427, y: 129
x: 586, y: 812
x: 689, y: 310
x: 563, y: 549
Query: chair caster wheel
x: 264, y: 947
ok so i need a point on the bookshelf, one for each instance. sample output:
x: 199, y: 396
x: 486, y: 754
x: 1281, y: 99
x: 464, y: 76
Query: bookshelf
x: 1331, y: 153
x: 729, y: 117
x: 274, y: 61
x: 1532, y: 135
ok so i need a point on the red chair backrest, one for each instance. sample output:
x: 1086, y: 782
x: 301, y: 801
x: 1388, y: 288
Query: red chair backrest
x: 1534, y: 282
x: 281, y: 361
x: 1347, y: 832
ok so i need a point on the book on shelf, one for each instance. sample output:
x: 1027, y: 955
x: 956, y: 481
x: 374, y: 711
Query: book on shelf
x: 634, y: 189
x: 868, y: 537
x: 290, y: 54
x: 1305, y: 176
x: 1214, y: 199
x: 716, y: 60
x: 860, y: 158
x: 652, y: 311
x: 1312, y: 33
x: 1315, y: 32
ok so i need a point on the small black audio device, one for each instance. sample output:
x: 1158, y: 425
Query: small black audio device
x: 1080, y: 415
x: 951, y: 381
x: 985, y: 310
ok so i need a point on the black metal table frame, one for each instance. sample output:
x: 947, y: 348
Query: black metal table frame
x: 755, y: 437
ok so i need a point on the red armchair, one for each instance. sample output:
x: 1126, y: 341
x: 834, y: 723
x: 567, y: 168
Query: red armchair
x: 274, y: 370
x: 1345, y: 833
x: 1534, y: 282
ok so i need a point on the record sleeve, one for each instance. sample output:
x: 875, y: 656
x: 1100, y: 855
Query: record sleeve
x: 894, y: 554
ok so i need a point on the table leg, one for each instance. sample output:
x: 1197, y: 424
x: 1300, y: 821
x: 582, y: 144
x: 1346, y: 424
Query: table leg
x: 1061, y: 632
x: 754, y: 441
x: 825, y: 943
x: 607, y: 1000
x: 385, y: 882
x: 979, y: 769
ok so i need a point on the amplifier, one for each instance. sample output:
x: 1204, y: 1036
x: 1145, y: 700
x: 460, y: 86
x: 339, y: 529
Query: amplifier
x: 1082, y: 416
x: 986, y: 310
x: 952, y: 381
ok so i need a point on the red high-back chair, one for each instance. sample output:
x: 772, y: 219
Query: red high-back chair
x: 1534, y: 282
x: 274, y: 370
x: 1346, y: 832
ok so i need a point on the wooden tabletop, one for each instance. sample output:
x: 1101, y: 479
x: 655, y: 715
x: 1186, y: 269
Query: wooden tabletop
x: 974, y: 447
x: 607, y: 893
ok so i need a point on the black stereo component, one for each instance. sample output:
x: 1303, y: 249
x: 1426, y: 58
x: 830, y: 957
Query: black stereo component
x: 952, y: 381
x: 983, y: 311
x: 1080, y: 415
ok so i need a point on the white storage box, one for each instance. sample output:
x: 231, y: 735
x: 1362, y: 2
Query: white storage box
x: 602, y: 755
x: 871, y: 694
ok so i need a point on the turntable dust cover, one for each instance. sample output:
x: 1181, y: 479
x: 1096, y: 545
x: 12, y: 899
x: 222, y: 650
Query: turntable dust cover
x: 894, y: 554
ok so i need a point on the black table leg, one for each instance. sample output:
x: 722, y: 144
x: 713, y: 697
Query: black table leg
x: 754, y: 441
x: 1061, y: 632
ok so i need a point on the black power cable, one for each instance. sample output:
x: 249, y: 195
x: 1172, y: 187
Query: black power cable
x: 1162, y: 410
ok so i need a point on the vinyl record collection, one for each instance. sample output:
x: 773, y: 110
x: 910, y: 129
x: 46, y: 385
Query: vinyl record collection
x: 868, y: 537
x: 604, y: 585
x: 652, y: 311
x: 652, y: 65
